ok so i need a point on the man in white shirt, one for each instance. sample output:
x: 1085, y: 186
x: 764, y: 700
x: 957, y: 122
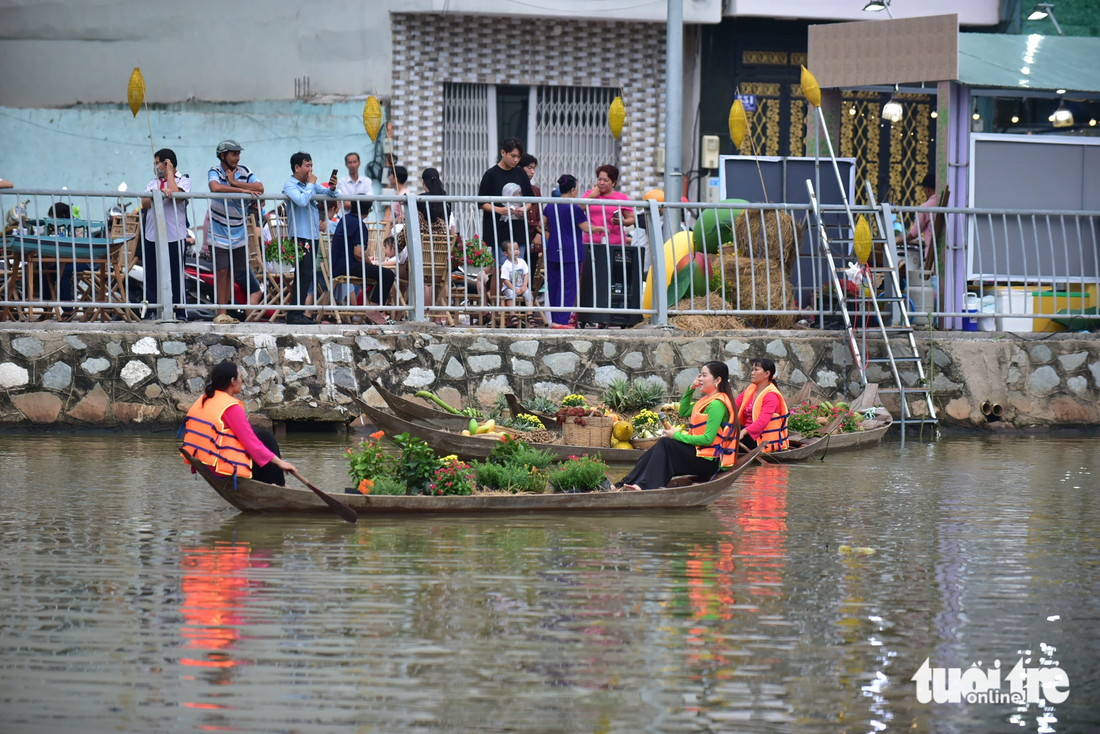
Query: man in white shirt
x: 354, y: 185
x: 171, y: 182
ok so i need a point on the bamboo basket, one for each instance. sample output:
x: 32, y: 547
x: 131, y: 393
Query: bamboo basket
x: 645, y: 444
x: 596, y: 431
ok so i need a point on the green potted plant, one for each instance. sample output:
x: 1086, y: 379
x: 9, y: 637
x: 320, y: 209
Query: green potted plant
x: 580, y: 474
x: 281, y: 255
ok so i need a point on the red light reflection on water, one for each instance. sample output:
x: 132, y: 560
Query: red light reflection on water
x: 215, y: 585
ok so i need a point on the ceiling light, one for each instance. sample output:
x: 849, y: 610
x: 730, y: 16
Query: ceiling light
x: 1041, y: 11
x: 1092, y: 122
x: 1059, y: 91
x: 935, y: 114
x: 892, y: 110
x: 1062, y: 117
x: 852, y: 111
x: 1015, y: 119
x: 874, y: 6
x: 976, y: 116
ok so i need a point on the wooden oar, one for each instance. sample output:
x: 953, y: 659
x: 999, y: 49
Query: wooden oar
x: 345, y: 512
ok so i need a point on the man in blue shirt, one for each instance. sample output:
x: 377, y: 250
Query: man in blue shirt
x: 303, y: 224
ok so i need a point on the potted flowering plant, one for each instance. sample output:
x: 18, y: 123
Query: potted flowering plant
x: 371, y: 469
x: 281, y: 255
x: 473, y: 254
x: 453, y: 478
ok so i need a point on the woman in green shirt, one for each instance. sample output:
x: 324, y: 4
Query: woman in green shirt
x: 707, y: 445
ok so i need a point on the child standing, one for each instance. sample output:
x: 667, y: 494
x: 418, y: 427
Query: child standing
x: 515, y: 281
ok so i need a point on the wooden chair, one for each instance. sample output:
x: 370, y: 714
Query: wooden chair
x: 107, y: 281
x: 436, y: 249
x: 280, y: 284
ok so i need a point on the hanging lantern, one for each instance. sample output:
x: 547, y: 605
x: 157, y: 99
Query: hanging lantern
x: 372, y: 117
x: 739, y: 123
x: 863, y: 240
x: 810, y: 89
x: 135, y: 92
x: 616, y: 116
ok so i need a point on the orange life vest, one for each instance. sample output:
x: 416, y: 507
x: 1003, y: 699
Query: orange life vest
x: 774, y: 437
x: 208, y: 439
x: 725, y: 443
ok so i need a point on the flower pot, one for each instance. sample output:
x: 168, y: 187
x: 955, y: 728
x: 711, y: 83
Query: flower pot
x: 276, y: 267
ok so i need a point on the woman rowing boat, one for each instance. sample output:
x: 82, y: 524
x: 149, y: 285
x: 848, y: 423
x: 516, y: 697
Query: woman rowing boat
x: 707, y: 446
x: 217, y: 433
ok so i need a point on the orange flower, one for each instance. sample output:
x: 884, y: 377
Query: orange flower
x: 366, y: 485
x: 377, y: 435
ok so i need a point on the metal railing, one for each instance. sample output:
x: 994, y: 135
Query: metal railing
x: 371, y: 259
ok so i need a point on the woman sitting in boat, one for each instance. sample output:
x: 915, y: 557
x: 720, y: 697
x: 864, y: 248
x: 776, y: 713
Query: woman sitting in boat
x: 707, y: 446
x: 762, y: 410
x: 217, y: 433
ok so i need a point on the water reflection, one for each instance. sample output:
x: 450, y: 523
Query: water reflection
x: 138, y: 601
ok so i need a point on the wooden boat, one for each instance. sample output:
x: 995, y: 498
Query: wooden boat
x: 411, y: 410
x: 250, y: 495
x: 516, y: 407
x: 476, y: 447
x: 829, y: 440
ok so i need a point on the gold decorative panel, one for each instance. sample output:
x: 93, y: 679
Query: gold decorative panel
x: 798, y: 60
x: 763, y: 137
x: 760, y: 90
x: 909, y: 154
x: 859, y: 139
x: 776, y: 58
x: 797, y: 131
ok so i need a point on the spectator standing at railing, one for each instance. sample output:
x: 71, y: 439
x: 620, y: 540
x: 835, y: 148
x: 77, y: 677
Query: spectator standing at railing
x: 169, y: 181
x: 354, y: 185
x: 506, y: 222
x: 228, y: 230
x: 921, y: 231
x: 565, y: 225
x: 529, y: 164
x: 304, y: 225
x: 610, y: 218
x: 395, y: 213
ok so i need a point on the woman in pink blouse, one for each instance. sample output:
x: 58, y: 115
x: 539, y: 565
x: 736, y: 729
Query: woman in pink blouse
x: 610, y: 217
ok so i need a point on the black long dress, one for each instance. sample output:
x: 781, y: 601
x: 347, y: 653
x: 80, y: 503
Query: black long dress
x: 667, y: 459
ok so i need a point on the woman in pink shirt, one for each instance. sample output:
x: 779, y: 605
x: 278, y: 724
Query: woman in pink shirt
x: 267, y: 464
x: 613, y: 217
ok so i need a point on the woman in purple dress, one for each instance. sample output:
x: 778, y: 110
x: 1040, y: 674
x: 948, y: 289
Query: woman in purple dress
x: 566, y: 224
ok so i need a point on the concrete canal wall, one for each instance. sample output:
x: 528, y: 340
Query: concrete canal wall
x: 148, y: 375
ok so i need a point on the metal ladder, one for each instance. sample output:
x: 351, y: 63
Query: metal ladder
x: 884, y: 332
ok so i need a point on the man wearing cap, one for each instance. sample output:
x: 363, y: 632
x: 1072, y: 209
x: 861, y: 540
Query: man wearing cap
x: 304, y: 225
x: 228, y: 231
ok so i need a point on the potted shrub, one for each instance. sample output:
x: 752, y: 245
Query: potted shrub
x: 281, y: 255
x: 580, y: 474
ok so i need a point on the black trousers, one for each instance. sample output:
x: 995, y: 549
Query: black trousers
x: 303, y: 270
x: 667, y: 459
x: 380, y: 291
x: 269, y: 473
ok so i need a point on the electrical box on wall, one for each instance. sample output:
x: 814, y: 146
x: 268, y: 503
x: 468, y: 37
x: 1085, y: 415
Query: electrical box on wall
x: 713, y: 190
x: 660, y: 160
x: 709, y: 157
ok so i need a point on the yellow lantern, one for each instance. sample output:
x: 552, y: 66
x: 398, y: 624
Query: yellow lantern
x: 863, y: 240
x: 616, y: 116
x: 810, y: 89
x: 135, y: 92
x: 372, y: 117
x: 739, y: 123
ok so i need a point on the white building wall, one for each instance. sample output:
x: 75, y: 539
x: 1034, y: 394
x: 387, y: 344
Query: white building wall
x: 970, y: 12
x: 430, y: 50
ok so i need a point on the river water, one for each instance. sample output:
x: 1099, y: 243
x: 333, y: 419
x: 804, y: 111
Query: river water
x: 135, y: 600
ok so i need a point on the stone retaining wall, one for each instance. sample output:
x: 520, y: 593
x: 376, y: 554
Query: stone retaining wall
x: 122, y: 374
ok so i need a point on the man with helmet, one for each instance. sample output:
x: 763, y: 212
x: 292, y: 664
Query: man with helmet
x: 228, y: 227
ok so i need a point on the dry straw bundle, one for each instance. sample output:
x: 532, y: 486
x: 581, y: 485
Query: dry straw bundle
x: 702, y: 323
x: 756, y: 284
x: 769, y: 234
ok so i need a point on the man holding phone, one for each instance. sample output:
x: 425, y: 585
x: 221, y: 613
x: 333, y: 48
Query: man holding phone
x: 505, y: 222
x: 304, y: 225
